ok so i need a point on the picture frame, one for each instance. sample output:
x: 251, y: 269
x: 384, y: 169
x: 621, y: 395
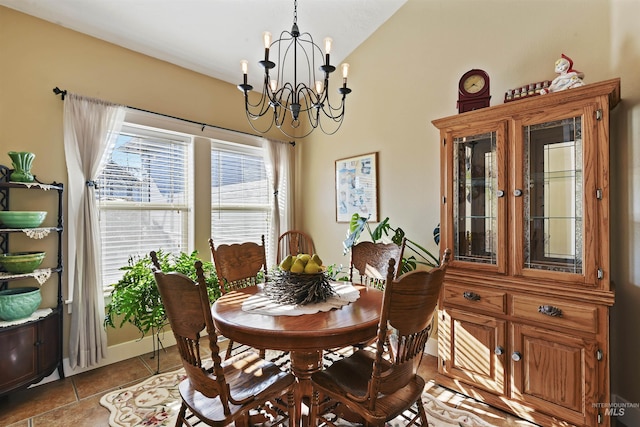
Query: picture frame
x: 357, y: 187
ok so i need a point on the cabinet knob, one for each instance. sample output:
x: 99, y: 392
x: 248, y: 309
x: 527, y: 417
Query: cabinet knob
x: 471, y: 296
x: 517, y: 192
x: 500, y: 193
x: 499, y: 350
x: 516, y: 356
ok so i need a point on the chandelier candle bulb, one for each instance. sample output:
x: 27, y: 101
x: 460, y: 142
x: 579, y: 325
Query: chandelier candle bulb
x: 245, y: 87
x: 327, y: 46
x: 266, y: 36
x: 319, y: 87
x: 344, y: 90
x: 327, y: 49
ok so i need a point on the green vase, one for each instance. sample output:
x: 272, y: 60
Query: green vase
x: 21, y: 166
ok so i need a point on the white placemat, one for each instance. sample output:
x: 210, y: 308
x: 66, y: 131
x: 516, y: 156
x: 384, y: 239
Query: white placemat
x: 261, y: 304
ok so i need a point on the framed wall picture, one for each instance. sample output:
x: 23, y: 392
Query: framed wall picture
x: 357, y: 187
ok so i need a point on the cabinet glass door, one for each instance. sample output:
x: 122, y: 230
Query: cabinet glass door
x: 552, y: 193
x: 475, y: 199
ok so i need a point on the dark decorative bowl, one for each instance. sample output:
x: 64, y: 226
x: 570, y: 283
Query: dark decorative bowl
x: 21, y: 262
x: 19, y: 303
x: 22, y: 219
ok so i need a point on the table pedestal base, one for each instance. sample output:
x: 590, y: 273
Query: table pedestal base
x: 303, y: 365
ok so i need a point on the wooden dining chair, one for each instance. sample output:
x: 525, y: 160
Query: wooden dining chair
x: 371, y: 260
x: 294, y: 242
x: 366, y: 387
x: 239, y: 265
x: 218, y: 393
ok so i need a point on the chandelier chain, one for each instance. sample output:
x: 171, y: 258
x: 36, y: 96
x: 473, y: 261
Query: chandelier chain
x: 295, y: 11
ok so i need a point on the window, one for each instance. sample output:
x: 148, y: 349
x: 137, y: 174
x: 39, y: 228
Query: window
x: 148, y: 194
x: 144, y: 196
x: 240, y: 209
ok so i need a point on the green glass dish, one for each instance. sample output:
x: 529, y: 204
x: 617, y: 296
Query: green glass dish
x: 19, y: 303
x: 21, y: 262
x: 22, y: 219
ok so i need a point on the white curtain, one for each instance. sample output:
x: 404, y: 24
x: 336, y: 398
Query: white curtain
x: 89, y: 126
x: 278, y: 162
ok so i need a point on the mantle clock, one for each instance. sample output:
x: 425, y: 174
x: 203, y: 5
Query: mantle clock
x: 473, y: 91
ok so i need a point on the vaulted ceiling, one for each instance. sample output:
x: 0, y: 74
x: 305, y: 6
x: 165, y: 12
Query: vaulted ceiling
x: 212, y: 36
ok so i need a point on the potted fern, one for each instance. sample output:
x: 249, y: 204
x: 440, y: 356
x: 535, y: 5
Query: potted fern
x: 135, y: 298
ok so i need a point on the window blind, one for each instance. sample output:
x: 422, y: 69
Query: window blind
x: 144, y: 196
x: 240, y: 210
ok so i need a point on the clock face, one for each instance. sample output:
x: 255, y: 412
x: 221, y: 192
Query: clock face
x: 474, y: 83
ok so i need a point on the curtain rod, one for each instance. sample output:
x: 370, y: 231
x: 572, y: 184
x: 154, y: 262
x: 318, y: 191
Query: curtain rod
x: 63, y: 93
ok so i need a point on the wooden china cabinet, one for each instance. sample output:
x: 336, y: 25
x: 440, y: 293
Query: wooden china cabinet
x: 524, y: 314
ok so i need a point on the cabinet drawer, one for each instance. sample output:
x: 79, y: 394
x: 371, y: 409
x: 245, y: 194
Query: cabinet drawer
x: 551, y: 311
x: 472, y: 297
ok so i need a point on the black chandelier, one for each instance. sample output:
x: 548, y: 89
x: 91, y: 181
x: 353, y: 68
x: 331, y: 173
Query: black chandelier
x: 298, y: 99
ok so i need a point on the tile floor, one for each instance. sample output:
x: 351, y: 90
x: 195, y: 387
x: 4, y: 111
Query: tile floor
x: 74, y: 401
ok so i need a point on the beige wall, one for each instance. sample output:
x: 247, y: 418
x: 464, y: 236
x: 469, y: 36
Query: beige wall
x: 403, y: 76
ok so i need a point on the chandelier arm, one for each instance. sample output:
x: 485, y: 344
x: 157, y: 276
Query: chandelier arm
x: 297, y: 136
x: 262, y: 105
x: 251, y: 119
x: 279, y: 114
x: 282, y: 97
x: 282, y: 56
x: 330, y: 108
x: 310, y: 58
x: 335, y: 119
x: 313, y: 115
x: 309, y: 95
x: 330, y: 132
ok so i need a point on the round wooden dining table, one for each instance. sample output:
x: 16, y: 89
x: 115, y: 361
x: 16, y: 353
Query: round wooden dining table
x: 304, y: 336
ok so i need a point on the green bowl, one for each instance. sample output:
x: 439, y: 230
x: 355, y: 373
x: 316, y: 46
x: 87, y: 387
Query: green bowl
x: 21, y: 262
x: 22, y: 219
x: 19, y: 303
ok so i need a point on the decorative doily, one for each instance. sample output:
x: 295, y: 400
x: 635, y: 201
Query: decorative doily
x: 260, y: 303
x: 41, y: 275
x: 36, y: 233
x: 35, y: 184
x: 43, y: 312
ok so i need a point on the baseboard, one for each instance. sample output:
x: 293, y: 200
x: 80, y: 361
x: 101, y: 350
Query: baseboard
x: 115, y: 353
x: 624, y: 411
x: 432, y: 347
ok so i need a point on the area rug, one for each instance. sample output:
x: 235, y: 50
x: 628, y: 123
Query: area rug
x: 156, y: 402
